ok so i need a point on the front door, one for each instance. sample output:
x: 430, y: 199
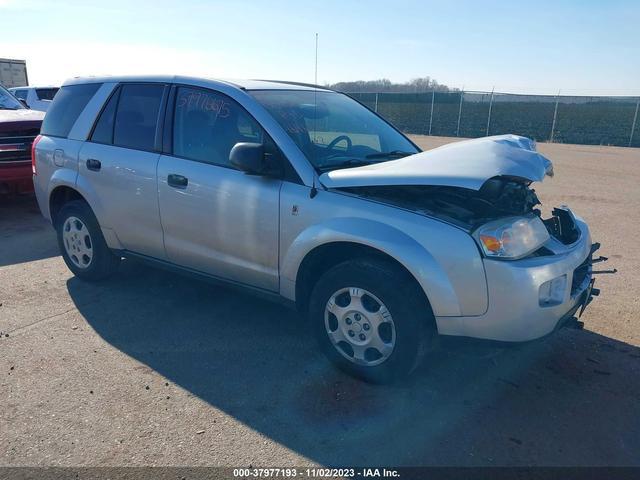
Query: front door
x: 215, y: 218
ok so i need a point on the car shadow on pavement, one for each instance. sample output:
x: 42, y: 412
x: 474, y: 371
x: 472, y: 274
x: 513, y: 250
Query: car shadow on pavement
x: 21, y: 223
x: 570, y: 400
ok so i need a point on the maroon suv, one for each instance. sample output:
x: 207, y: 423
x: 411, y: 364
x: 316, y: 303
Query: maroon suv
x: 19, y: 126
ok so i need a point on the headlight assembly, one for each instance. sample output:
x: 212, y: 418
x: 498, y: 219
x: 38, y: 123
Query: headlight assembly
x: 511, y: 237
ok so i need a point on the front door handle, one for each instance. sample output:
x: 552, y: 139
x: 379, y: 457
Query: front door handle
x: 177, y: 181
x: 93, y: 164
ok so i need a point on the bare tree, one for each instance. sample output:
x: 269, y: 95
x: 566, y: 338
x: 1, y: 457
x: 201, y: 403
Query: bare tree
x: 416, y: 85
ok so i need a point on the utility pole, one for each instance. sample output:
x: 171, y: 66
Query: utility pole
x: 315, y: 78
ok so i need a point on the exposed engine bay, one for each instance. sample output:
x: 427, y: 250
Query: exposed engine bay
x: 498, y: 197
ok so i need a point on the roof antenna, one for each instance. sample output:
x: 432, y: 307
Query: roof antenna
x: 314, y: 190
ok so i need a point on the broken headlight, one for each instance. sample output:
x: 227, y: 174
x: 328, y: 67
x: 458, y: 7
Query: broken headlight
x: 511, y: 237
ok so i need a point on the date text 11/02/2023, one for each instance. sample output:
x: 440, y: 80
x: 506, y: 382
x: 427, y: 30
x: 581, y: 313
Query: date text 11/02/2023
x: 315, y: 472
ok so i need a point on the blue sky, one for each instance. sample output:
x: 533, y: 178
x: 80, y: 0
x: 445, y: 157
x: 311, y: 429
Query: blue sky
x: 578, y: 47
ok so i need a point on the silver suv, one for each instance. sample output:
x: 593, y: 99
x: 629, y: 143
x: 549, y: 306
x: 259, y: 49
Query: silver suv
x: 303, y: 194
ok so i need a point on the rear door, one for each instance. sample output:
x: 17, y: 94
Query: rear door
x: 217, y: 219
x: 119, y: 163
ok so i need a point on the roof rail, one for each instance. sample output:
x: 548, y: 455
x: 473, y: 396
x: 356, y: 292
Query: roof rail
x: 287, y: 82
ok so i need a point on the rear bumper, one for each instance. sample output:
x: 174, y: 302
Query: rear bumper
x: 41, y: 196
x: 515, y: 313
x: 15, y: 177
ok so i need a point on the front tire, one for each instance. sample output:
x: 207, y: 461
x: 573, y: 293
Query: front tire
x: 82, y: 245
x: 371, y: 319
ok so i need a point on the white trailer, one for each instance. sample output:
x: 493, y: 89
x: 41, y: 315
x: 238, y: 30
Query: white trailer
x: 13, y: 73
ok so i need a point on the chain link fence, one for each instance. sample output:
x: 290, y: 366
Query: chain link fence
x: 545, y: 118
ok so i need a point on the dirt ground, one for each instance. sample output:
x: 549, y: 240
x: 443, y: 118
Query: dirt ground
x: 150, y: 368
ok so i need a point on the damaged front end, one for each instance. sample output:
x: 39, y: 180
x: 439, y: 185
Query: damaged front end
x: 465, y: 207
x: 499, y: 199
x: 484, y: 187
x: 469, y: 184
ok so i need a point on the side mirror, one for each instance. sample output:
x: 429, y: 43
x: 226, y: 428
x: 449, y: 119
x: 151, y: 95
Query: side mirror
x: 248, y: 158
x: 252, y: 159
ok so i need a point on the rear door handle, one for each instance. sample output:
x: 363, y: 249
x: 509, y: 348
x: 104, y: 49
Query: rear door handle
x: 93, y: 164
x: 177, y: 181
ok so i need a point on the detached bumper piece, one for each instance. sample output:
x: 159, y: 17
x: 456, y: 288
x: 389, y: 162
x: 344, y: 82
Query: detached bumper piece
x: 581, y: 273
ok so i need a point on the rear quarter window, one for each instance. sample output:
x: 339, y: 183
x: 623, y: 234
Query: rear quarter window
x: 67, y: 105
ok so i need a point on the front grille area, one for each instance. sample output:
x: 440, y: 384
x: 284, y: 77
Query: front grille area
x: 15, y: 149
x: 562, y: 225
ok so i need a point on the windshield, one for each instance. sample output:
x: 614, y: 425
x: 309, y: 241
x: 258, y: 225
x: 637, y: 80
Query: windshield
x: 333, y: 130
x: 8, y: 101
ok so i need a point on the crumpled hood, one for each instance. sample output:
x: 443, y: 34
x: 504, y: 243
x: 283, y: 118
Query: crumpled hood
x: 466, y: 164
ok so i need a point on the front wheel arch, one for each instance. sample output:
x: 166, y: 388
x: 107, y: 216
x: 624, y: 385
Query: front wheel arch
x: 324, y: 257
x: 348, y: 336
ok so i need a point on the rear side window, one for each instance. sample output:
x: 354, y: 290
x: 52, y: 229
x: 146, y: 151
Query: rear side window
x: 136, y: 116
x: 66, y: 108
x: 21, y: 94
x: 46, y: 93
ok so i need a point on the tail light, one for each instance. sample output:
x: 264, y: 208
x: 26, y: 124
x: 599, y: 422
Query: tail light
x: 33, y: 154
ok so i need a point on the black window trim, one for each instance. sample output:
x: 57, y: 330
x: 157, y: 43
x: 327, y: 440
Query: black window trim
x: 289, y: 174
x: 167, y: 125
x: 157, y: 141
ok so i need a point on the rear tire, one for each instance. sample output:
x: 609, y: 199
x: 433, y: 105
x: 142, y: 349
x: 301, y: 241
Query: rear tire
x: 371, y: 319
x: 82, y: 245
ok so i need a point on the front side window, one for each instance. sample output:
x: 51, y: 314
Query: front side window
x: 66, y: 108
x: 136, y: 116
x: 332, y: 129
x: 207, y: 125
x: 8, y: 101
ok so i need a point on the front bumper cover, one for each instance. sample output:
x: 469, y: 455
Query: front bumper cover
x: 514, y: 313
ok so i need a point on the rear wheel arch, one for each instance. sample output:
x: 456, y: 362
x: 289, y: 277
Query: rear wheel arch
x: 322, y: 258
x: 59, y: 197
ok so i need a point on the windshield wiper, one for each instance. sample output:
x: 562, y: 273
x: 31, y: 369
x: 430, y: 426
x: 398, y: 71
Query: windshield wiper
x: 391, y: 154
x: 7, y: 108
x: 352, y: 162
